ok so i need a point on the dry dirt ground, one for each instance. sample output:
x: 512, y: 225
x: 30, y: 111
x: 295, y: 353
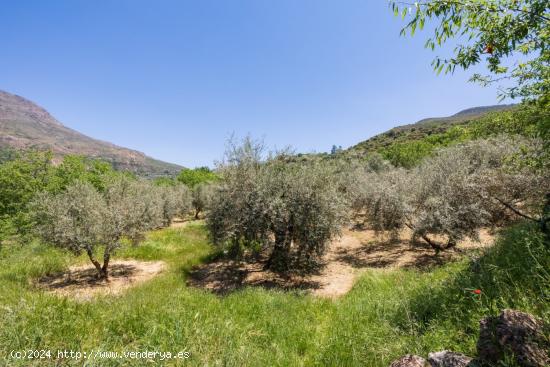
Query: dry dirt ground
x: 346, y: 258
x: 81, y: 283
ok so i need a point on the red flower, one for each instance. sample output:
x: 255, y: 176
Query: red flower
x: 477, y: 291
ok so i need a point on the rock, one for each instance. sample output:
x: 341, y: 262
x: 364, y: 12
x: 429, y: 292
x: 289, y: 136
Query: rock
x: 488, y: 348
x: 409, y: 360
x: 449, y: 359
x: 515, y: 332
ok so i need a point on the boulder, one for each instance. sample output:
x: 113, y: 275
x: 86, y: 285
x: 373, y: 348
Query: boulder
x: 409, y: 360
x: 513, y: 332
x: 449, y: 359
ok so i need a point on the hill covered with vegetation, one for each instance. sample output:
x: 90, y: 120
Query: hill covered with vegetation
x: 425, y: 127
x: 407, y: 145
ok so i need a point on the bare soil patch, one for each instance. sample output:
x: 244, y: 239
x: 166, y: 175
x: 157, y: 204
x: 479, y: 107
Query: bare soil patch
x: 81, y: 283
x: 179, y: 223
x: 345, y: 259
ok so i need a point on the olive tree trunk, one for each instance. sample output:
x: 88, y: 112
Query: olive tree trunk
x: 102, y: 270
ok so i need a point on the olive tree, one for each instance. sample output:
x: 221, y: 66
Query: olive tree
x: 173, y: 200
x: 203, y: 194
x: 81, y: 219
x: 520, y: 186
x: 290, y: 209
x: 184, y: 199
x: 305, y: 211
x: 356, y: 180
x: 72, y: 220
x: 385, y: 199
x: 444, y: 199
x: 237, y: 215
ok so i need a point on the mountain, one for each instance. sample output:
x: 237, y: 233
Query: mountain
x: 25, y: 125
x: 425, y: 127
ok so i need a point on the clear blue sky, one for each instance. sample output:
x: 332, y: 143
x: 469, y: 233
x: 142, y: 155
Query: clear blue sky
x: 174, y: 79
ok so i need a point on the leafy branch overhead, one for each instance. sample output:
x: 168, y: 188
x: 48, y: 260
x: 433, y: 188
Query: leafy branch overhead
x: 510, y: 36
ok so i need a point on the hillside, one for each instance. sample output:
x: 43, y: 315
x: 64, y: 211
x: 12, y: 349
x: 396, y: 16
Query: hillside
x: 425, y: 127
x: 25, y: 125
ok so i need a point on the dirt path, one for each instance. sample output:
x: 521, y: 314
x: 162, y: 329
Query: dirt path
x: 345, y: 259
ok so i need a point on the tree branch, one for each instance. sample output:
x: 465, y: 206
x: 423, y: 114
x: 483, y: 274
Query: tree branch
x: 516, y: 211
x: 473, y: 6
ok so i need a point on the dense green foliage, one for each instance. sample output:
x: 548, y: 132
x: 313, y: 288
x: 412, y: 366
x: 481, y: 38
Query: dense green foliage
x: 192, y: 177
x: 386, y: 315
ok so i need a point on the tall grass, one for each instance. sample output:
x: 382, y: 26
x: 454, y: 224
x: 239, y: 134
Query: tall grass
x: 388, y: 313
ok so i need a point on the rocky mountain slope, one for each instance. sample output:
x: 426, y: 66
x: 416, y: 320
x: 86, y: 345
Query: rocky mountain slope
x: 25, y: 125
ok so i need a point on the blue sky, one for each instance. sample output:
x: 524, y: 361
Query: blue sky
x: 175, y: 79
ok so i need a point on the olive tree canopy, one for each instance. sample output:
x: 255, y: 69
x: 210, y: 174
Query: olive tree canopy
x: 290, y: 209
x: 81, y: 219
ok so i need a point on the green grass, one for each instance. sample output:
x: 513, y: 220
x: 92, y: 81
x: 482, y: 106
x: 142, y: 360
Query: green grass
x: 387, y: 314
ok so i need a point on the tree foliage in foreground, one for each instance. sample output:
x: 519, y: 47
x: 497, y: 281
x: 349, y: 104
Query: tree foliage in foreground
x: 292, y: 210
x: 512, y: 36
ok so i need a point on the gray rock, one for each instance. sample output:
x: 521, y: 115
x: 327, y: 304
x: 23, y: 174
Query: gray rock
x: 449, y: 359
x: 513, y: 332
x: 409, y: 360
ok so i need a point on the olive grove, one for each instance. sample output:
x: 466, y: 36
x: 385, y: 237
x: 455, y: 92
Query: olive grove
x: 457, y: 191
